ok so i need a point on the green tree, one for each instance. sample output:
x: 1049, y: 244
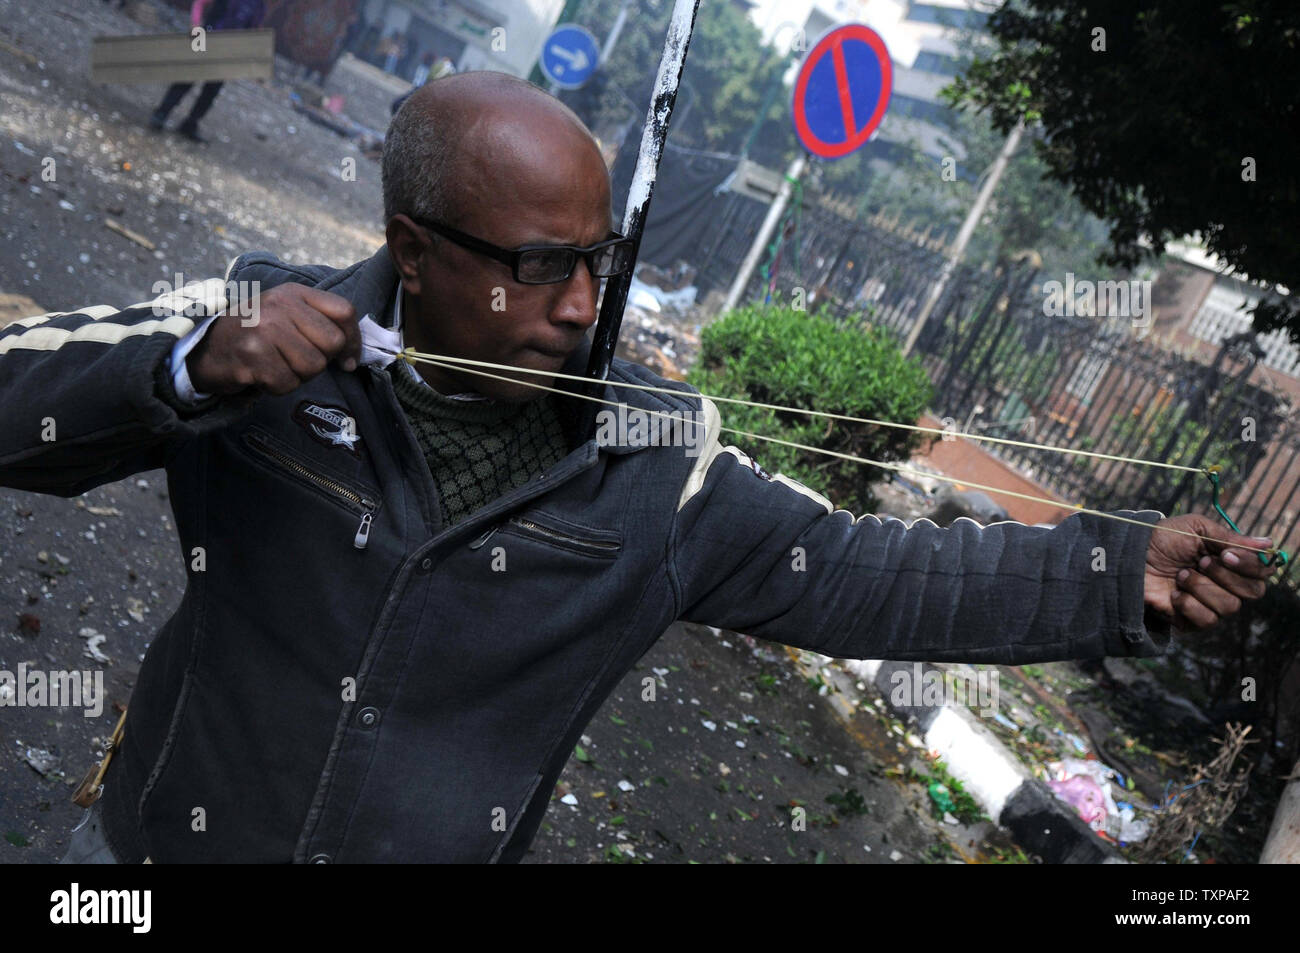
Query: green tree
x: 1165, y: 118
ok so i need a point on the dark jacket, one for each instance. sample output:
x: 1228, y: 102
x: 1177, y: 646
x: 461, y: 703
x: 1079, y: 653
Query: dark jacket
x: 471, y: 685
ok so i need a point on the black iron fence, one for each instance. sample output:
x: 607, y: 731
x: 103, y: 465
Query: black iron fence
x: 1004, y: 366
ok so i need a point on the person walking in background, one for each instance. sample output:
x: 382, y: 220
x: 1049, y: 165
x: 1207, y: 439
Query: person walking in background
x: 422, y: 71
x: 366, y: 45
x: 443, y: 67
x: 211, y: 15
x: 393, y: 51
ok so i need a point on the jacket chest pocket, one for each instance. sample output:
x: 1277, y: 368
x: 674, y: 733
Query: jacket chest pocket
x: 358, y: 499
x: 558, y: 534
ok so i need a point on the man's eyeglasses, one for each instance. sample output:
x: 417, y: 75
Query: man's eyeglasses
x: 545, y: 264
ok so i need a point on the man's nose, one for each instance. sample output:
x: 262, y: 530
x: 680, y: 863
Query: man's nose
x: 577, y: 301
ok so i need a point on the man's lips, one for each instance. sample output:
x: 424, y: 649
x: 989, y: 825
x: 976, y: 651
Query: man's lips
x: 556, y: 358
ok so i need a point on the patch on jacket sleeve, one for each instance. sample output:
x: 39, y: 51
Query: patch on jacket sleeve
x: 712, y: 449
x: 750, y: 462
x: 327, y: 425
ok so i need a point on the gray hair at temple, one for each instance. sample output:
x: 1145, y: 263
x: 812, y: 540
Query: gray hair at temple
x: 418, y: 149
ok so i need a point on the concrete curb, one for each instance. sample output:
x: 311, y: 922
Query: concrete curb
x: 1041, y: 822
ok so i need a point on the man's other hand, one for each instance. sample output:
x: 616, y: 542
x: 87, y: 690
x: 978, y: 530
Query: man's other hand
x: 298, y: 331
x: 1194, y: 583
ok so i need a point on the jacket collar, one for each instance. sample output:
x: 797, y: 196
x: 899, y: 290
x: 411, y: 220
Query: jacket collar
x: 369, y: 285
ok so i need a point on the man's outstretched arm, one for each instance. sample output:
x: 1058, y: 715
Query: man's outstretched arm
x: 768, y: 557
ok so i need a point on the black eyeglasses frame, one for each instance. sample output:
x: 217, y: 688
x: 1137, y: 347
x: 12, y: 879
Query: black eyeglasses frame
x: 512, y: 256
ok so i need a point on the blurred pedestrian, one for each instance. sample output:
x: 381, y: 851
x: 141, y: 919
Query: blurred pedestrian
x: 422, y: 71
x: 366, y: 45
x: 443, y: 67
x: 211, y: 15
x: 393, y: 51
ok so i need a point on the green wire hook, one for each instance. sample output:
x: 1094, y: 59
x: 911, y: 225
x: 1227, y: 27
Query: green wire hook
x: 1279, y: 557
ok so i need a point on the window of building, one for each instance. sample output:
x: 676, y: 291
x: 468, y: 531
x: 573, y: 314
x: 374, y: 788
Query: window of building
x: 914, y: 108
x: 1222, y: 315
x: 928, y: 61
x: 947, y: 16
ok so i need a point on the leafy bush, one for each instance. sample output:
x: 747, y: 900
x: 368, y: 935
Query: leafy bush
x: 776, y: 355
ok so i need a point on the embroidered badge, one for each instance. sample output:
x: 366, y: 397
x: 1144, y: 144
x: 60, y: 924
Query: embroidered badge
x: 750, y: 462
x: 331, y: 426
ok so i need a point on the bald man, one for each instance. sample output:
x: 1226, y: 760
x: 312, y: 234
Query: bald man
x: 410, y: 587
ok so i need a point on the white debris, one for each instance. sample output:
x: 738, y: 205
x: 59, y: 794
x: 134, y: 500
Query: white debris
x: 93, y: 641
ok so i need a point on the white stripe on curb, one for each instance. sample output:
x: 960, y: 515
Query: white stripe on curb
x: 976, y: 759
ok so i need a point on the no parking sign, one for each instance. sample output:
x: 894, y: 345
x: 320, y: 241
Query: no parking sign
x: 842, y: 91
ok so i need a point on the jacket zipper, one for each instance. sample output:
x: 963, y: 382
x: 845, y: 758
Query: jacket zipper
x: 478, y: 543
x: 543, y: 531
x: 362, y: 537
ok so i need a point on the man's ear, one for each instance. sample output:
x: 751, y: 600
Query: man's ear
x: 407, y: 243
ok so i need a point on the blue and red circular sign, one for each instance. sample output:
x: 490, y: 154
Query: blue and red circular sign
x: 842, y: 91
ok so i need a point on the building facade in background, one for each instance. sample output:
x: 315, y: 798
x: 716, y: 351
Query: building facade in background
x: 503, y: 35
x: 1199, y: 304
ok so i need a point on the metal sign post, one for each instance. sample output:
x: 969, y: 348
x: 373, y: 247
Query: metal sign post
x: 764, y: 235
x: 963, y: 235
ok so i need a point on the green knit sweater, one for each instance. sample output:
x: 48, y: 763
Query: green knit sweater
x: 478, y: 450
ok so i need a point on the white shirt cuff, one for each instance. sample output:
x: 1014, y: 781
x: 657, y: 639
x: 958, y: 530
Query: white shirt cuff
x: 180, y: 373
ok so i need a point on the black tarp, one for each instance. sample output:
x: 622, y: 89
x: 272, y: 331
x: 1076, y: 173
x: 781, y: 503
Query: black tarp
x: 689, y: 217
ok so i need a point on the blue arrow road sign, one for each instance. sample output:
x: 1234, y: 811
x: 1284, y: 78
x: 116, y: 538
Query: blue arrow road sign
x: 569, y: 56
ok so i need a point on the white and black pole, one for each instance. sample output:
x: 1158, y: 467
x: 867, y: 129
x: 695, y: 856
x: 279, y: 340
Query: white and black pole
x: 658, y: 116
